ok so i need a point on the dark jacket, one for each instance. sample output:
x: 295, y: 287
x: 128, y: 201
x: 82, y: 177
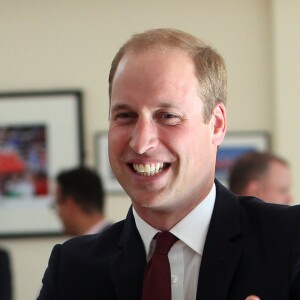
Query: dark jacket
x: 251, y: 247
x: 5, y: 276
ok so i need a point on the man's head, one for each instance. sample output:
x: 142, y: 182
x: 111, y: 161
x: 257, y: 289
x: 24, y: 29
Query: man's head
x: 167, y: 118
x: 79, y: 196
x: 210, y: 69
x: 263, y: 175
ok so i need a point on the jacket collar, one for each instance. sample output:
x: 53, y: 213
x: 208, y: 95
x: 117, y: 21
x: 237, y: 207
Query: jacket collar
x: 223, y: 247
x: 127, y: 267
x: 222, y: 251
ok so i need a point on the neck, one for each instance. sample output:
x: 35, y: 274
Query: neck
x: 86, y: 222
x: 164, y: 220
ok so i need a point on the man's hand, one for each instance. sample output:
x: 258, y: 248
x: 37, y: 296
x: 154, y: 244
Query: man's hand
x: 252, y: 298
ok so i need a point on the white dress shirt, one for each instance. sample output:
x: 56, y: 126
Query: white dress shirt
x: 186, y: 254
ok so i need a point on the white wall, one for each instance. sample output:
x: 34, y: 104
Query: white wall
x: 70, y: 44
x: 286, y: 45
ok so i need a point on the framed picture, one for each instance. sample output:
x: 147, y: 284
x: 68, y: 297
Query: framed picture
x: 110, y: 183
x: 234, y: 145
x: 41, y: 132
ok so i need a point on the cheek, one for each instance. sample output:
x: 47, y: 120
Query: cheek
x: 114, y: 150
x: 114, y: 144
x: 63, y: 210
x: 117, y: 138
x: 60, y: 211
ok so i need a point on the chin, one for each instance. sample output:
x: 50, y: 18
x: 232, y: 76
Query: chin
x: 145, y: 200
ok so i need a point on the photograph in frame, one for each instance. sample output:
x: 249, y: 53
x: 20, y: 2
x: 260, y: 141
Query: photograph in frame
x: 235, y: 144
x: 23, y: 162
x: 41, y: 133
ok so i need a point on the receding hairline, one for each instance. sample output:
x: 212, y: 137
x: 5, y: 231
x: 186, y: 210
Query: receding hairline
x: 163, y: 39
x: 210, y: 68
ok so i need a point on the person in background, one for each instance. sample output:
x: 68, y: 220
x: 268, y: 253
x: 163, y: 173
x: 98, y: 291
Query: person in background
x: 186, y: 236
x: 263, y: 175
x: 80, y: 201
x: 5, y: 276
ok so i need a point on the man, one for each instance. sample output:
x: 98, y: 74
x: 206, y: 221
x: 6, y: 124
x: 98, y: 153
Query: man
x: 5, y: 276
x: 263, y: 175
x: 80, y: 201
x: 167, y: 119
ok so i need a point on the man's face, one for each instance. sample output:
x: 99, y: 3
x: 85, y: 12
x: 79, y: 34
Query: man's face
x: 276, y: 184
x: 160, y: 150
x: 64, y: 211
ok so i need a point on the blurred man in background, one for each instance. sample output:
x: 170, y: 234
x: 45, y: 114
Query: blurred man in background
x: 80, y: 201
x: 263, y: 175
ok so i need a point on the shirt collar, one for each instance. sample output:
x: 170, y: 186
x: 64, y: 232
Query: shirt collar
x: 191, y: 230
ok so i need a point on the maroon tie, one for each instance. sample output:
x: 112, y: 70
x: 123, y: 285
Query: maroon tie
x: 157, y: 278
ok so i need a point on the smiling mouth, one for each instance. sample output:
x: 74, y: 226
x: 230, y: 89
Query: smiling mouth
x: 149, y: 169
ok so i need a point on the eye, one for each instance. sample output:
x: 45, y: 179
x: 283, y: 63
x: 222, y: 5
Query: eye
x: 169, y: 118
x: 124, y: 117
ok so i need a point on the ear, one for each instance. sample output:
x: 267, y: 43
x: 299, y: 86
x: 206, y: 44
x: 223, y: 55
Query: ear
x: 219, y: 123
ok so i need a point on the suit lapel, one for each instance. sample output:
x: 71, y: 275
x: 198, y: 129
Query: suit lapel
x: 222, y: 251
x: 222, y: 248
x: 127, y: 267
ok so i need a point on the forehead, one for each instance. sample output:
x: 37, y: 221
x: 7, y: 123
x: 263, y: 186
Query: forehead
x: 277, y: 165
x: 278, y: 172
x: 169, y: 55
x: 153, y: 70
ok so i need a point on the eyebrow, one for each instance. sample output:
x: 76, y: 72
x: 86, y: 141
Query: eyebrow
x: 120, y: 106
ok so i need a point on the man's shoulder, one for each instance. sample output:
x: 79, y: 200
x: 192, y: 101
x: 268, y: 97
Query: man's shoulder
x: 257, y: 205
x: 3, y: 254
x: 282, y: 221
x: 255, y: 213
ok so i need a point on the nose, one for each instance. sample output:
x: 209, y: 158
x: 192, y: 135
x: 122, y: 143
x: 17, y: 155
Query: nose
x: 144, y: 136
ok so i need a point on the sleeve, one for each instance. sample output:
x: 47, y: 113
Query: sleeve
x: 49, y: 287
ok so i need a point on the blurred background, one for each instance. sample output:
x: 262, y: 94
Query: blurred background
x: 59, y: 45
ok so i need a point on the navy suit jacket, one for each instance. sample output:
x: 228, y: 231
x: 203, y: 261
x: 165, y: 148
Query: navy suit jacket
x: 5, y: 276
x: 251, y: 247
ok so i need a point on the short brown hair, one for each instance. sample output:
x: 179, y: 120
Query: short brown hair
x: 84, y: 185
x: 250, y: 166
x: 209, y: 65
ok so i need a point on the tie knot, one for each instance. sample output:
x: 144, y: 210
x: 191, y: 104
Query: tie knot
x: 164, y: 242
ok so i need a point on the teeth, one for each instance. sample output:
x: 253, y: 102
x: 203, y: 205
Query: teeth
x: 148, y: 169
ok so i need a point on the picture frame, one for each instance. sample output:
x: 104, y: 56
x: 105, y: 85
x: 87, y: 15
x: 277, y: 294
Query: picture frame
x: 41, y: 133
x: 110, y: 183
x: 235, y: 144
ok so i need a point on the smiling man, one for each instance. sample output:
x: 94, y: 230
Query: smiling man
x: 157, y: 113
x: 185, y: 236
